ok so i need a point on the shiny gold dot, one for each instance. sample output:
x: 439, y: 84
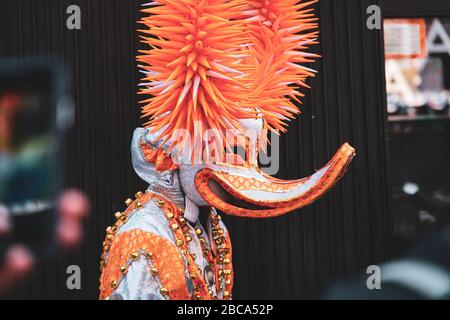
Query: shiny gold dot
x: 180, y: 242
x: 134, y: 255
x: 228, y: 282
x: 181, y: 209
x: 227, y: 272
x: 182, y: 220
x: 198, y: 231
x: 139, y: 205
x: 106, y: 248
x: 154, y: 271
x: 193, y: 276
x: 175, y: 226
x: 109, y: 229
x: 128, y: 202
x: 149, y: 255
x: 169, y: 215
x: 226, y: 261
x: 118, y: 215
x: 160, y: 203
x: 110, y: 237
x: 139, y: 194
x: 163, y: 291
x: 226, y: 294
x: 123, y: 269
x: 188, y: 238
x: 114, y: 284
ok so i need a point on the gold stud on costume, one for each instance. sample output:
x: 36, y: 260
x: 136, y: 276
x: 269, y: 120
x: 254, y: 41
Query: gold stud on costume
x: 128, y: 202
x: 169, y: 215
x: 154, y: 271
x: 160, y: 203
x: 139, y: 195
x: 163, y: 291
x: 114, y: 284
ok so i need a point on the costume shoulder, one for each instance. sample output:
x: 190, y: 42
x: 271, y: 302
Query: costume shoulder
x: 140, y: 254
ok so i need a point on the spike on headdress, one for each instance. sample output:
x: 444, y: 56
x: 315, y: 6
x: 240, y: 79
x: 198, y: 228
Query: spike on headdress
x: 282, y: 31
x: 192, y: 68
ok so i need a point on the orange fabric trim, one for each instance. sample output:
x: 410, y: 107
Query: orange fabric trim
x: 130, y: 246
x: 157, y: 156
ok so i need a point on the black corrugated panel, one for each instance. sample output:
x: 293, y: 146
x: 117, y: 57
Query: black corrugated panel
x: 289, y: 257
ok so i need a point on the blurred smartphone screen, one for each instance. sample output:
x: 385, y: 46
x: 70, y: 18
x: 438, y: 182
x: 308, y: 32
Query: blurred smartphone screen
x: 29, y: 153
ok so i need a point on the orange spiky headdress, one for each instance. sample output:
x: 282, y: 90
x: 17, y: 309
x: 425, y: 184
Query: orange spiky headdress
x: 212, y: 63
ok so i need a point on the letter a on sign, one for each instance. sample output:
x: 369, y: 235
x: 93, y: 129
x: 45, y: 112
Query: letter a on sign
x: 74, y: 280
x: 74, y: 20
x: 437, y: 32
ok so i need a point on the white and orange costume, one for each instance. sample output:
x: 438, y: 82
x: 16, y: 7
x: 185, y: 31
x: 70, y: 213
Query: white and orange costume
x: 212, y: 66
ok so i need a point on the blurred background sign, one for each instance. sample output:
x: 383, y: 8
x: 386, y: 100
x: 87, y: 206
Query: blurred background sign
x: 417, y: 68
x: 405, y: 38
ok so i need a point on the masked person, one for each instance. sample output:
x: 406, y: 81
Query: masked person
x: 213, y: 67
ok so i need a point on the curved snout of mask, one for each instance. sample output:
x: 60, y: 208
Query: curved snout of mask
x: 261, y: 196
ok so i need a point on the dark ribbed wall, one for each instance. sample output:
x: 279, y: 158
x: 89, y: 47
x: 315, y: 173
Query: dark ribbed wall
x: 288, y: 257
